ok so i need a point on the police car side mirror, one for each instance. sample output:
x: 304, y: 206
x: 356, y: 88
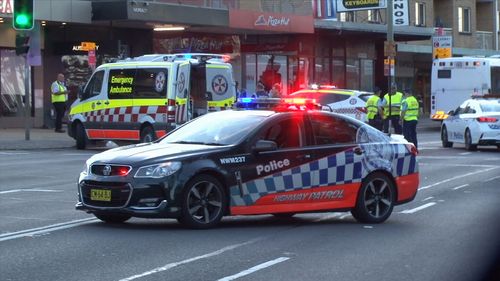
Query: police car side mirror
x: 265, y: 145
x: 451, y: 112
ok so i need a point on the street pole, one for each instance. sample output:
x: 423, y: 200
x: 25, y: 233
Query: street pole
x: 27, y: 102
x: 390, y: 40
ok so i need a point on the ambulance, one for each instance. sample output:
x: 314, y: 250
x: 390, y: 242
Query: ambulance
x: 455, y: 80
x: 143, y: 98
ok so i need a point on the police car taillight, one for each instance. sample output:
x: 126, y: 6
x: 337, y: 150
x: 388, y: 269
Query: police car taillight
x: 487, y: 119
x: 412, y: 149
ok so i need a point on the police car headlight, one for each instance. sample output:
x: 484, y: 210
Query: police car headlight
x: 158, y: 170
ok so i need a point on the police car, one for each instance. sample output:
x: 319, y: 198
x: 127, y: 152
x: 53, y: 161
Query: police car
x: 284, y: 160
x: 475, y: 122
x: 349, y: 102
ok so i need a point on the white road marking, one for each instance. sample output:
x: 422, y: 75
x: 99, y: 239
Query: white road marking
x: 491, y: 179
x: 428, y: 198
x: 465, y: 153
x: 457, y: 165
x: 457, y: 177
x: 175, y: 264
x: 13, y: 153
x: 45, y: 229
x: 31, y: 189
x: 368, y: 226
x: 461, y: 186
x: 414, y: 210
x: 254, y: 269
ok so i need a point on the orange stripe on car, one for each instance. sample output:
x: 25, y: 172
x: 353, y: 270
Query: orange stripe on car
x: 407, y: 186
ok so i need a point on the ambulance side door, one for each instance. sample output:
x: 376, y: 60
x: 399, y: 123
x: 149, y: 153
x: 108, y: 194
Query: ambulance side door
x: 221, y: 91
x: 182, y: 89
x: 93, y: 97
x: 118, y: 112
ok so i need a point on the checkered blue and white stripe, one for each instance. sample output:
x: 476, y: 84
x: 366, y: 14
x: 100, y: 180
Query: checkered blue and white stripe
x: 343, y: 168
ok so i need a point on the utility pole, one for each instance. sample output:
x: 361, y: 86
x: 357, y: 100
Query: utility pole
x: 390, y: 40
x: 27, y: 101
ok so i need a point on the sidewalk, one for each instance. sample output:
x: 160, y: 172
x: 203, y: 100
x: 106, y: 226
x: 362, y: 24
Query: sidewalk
x: 14, y: 139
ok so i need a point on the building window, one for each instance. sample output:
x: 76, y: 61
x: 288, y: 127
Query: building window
x: 419, y: 14
x: 348, y: 16
x: 373, y: 16
x: 463, y: 19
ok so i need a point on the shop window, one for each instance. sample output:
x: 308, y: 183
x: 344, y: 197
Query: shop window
x: 374, y: 16
x: 348, y: 16
x: 150, y: 83
x: 352, y: 73
x: 322, y: 71
x: 367, y: 75
x: 419, y: 14
x: 463, y: 19
x: 338, y: 72
x: 121, y: 83
x: 12, y: 88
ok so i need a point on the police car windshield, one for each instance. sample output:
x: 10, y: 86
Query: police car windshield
x: 219, y: 128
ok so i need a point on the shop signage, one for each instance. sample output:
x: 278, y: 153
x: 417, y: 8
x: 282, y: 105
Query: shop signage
x: 85, y: 46
x: 400, y: 12
x: 441, y: 47
x: 356, y: 5
x: 271, y: 21
x: 6, y: 6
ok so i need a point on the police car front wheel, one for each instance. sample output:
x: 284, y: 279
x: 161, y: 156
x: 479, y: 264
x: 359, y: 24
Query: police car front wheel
x: 375, y: 199
x: 204, y: 201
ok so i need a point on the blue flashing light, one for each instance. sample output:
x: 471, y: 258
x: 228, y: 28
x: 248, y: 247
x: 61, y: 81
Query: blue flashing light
x: 246, y: 100
x: 188, y: 56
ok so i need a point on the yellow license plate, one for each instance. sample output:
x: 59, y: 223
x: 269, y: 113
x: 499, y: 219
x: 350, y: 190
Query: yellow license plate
x: 100, y: 195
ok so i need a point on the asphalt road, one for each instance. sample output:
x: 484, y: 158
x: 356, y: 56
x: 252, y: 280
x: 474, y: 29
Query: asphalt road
x: 451, y: 231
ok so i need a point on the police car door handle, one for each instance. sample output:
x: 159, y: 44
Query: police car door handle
x: 358, y: 150
x: 305, y: 156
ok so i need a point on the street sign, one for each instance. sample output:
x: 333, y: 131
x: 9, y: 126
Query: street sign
x: 87, y: 46
x: 442, y: 47
x: 389, y: 67
x: 92, y: 59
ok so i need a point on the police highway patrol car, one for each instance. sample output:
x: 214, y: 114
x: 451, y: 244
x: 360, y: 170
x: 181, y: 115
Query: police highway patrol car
x: 281, y: 161
x: 143, y: 98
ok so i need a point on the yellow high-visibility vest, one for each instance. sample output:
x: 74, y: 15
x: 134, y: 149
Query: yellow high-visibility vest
x: 58, y: 98
x: 411, y: 112
x: 395, y: 101
x: 372, y: 106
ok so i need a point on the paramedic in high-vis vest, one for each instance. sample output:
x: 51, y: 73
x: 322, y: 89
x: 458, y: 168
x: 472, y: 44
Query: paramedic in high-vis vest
x: 373, y: 109
x: 59, y: 98
x: 409, y: 115
x: 391, y: 104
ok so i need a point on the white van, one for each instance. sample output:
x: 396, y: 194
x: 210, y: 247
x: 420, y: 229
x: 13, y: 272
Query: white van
x: 143, y: 98
x: 454, y: 80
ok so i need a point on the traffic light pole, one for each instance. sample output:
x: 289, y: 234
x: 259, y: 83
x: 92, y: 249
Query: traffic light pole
x: 27, y: 100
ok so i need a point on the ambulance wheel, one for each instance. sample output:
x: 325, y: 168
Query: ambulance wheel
x: 147, y: 134
x: 203, y: 202
x: 444, y: 138
x: 112, y: 218
x: 468, y: 141
x: 80, y: 136
x: 375, y: 199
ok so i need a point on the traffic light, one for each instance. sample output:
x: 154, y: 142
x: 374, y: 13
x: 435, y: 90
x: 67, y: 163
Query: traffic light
x: 23, y: 15
x: 22, y: 44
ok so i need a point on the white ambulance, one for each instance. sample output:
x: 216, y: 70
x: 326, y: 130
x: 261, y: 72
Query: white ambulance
x: 455, y: 80
x: 143, y: 98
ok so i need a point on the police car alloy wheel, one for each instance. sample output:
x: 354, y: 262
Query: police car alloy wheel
x: 204, y: 202
x: 375, y: 199
x: 468, y: 141
x: 112, y: 218
x: 444, y: 138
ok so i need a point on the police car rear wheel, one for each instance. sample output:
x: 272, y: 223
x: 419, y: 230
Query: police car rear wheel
x: 444, y: 138
x: 468, y: 141
x: 112, y: 218
x: 147, y: 134
x: 375, y: 199
x: 80, y: 136
x: 204, y: 202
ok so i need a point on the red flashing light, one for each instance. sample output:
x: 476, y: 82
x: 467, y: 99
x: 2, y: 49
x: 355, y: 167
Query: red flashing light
x: 487, y: 119
x: 362, y: 109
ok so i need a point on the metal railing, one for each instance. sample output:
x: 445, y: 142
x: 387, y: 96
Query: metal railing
x: 484, y: 40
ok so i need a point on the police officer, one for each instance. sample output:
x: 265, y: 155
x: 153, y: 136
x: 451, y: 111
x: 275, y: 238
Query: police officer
x: 392, y: 113
x: 409, y: 114
x: 373, y: 109
x: 59, y: 98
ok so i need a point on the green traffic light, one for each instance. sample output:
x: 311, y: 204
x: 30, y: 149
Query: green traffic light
x: 22, y: 20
